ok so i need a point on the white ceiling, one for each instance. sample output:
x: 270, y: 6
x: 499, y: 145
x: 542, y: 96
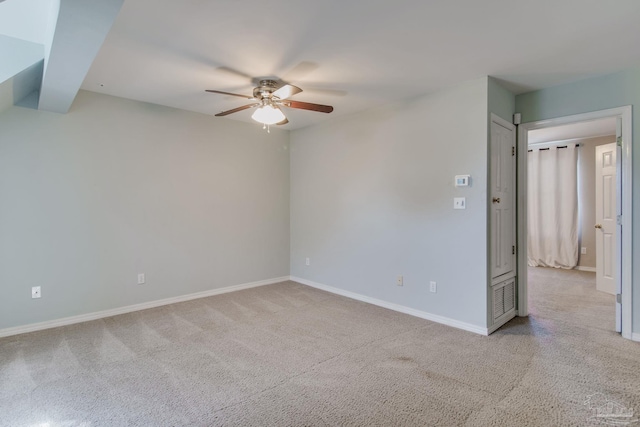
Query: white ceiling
x: 355, y: 54
x: 590, y: 129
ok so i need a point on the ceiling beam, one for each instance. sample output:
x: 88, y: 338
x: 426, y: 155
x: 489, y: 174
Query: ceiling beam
x: 80, y: 31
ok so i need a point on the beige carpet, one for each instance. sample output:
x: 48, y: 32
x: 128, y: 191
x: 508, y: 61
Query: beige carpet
x: 287, y: 354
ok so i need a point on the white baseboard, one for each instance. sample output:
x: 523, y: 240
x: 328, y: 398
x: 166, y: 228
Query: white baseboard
x: 583, y: 268
x: 395, y: 307
x: 635, y: 337
x: 136, y: 307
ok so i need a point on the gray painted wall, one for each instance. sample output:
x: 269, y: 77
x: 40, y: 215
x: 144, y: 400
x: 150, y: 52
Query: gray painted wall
x: 372, y: 198
x: 116, y: 187
x: 6, y: 94
x: 614, y: 90
x: 501, y: 101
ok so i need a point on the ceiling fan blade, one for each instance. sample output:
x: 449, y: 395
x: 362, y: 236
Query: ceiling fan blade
x: 229, y: 93
x: 308, y: 106
x: 235, y: 110
x: 300, y: 71
x: 235, y: 72
x: 326, y: 92
x: 284, y: 122
x: 286, y: 91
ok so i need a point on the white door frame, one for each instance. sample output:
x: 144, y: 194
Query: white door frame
x: 624, y: 193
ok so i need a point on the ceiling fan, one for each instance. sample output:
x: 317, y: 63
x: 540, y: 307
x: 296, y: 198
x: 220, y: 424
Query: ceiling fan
x: 269, y: 96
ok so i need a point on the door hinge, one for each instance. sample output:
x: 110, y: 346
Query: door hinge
x: 619, y: 141
x: 619, y: 298
x: 517, y: 118
x: 513, y: 151
x: 513, y: 250
x: 619, y: 219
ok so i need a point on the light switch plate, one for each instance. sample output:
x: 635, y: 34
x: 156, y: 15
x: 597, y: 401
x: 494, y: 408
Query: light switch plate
x: 459, y: 203
x: 462, y: 180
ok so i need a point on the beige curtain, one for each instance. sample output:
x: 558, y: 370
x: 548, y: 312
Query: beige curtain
x: 553, y: 207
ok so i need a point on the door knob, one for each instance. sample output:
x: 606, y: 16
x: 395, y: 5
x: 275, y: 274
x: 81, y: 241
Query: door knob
x: 496, y: 200
x: 598, y: 226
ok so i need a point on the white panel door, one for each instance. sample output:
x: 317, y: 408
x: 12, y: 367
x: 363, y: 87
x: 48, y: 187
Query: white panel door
x: 606, y: 212
x: 502, y: 197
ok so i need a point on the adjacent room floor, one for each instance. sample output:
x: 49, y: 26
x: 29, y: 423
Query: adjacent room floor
x: 287, y: 354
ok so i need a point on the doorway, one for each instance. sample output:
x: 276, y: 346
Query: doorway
x: 622, y: 228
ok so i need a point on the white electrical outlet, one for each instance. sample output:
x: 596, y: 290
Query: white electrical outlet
x: 459, y: 203
x: 433, y: 287
x: 36, y: 292
x: 399, y: 281
x: 308, y: 261
x: 141, y: 279
x: 583, y: 251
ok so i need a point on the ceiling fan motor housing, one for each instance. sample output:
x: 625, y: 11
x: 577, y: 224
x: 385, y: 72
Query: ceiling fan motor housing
x: 266, y: 88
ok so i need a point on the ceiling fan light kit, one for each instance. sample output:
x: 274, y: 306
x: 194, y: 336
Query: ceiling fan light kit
x: 270, y: 96
x: 268, y: 115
